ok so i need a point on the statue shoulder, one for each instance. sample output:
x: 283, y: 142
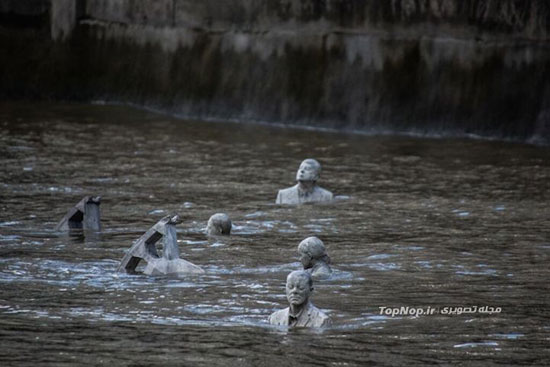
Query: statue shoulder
x: 324, y: 193
x: 289, y: 190
x: 322, y: 272
x: 279, y: 317
x: 287, y: 196
x: 319, y: 318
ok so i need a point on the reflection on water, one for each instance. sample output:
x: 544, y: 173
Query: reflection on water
x: 421, y: 223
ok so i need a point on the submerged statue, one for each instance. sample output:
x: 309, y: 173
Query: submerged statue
x: 84, y: 215
x: 218, y: 224
x: 145, y: 249
x: 314, y: 258
x: 306, y: 190
x: 301, y: 312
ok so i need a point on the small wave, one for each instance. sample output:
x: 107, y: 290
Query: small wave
x: 9, y: 238
x: 384, y: 266
x: 380, y: 256
x: 511, y: 336
x: 255, y: 214
x: 473, y: 345
x: 284, y: 268
x: 10, y: 223
x: 157, y: 211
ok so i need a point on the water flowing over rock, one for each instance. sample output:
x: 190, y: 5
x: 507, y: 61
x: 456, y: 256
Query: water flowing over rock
x: 407, y: 66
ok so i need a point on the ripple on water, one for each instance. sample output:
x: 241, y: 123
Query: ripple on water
x: 283, y: 268
x: 477, y: 344
x: 192, y: 242
x: 157, y: 211
x: 314, y: 228
x: 384, y: 266
x: 511, y: 336
x: 256, y: 214
x: 414, y: 248
x: 9, y: 238
x: 204, y: 309
x: 482, y: 269
x: 100, y: 274
x: 182, y: 285
x: 381, y: 266
x: 380, y: 256
x: 263, y: 226
x: 9, y: 223
x: 424, y: 264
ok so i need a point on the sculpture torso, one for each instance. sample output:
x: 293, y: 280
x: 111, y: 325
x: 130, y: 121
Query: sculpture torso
x: 311, y: 316
x: 293, y: 196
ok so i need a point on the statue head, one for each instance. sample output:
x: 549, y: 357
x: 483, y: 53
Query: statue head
x: 218, y: 224
x: 312, y: 250
x: 310, y: 170
x: 299, y: 286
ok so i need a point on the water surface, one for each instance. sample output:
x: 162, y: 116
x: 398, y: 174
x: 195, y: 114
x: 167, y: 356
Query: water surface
x: 422, y: 222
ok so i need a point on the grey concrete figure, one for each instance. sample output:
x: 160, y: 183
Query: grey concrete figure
x: 301, y: 312
x: 306, y: 190
x: 84, y: 215
x: 314, y: 258
x: 145, y: 249
x: 218, y: 224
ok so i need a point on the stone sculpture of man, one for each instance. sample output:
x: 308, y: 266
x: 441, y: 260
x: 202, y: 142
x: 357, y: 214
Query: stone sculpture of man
x: 306, y: 190
x: 301, y: 312
x: 218, y: 224
x: 314, y: 258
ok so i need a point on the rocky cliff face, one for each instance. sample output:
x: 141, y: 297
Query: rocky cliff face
x: 426, y: 66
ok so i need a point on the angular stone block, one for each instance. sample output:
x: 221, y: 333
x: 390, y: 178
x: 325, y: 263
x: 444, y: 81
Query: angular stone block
x: 145, y: 249
x: 84, y: 215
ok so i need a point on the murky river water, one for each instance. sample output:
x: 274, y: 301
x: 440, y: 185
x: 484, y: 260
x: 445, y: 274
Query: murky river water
x: 439, y: 223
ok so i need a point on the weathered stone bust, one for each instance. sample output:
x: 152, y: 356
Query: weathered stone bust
x: 314, y: 258
x: 218, y: 224
x: 145, y: 249
x: 84, y: 215
x: 301, y: 312
x: 306, y: 190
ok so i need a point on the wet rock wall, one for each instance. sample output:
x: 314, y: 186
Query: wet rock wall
x: 424, y: 66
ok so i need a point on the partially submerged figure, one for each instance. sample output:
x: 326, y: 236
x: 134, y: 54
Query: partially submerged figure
x: 84, y: 215
x: 145, y: 249
x: 314, y: 258
x: 306, y: 190
x: 301, y: 312
x: 218, y: 224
